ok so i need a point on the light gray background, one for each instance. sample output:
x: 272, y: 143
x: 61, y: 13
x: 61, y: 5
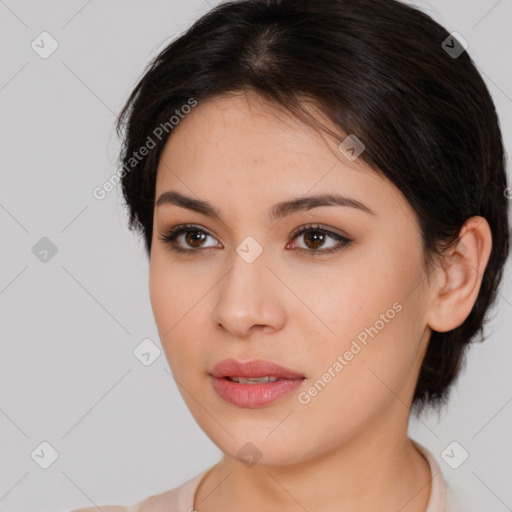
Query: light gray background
x: 69, y: 326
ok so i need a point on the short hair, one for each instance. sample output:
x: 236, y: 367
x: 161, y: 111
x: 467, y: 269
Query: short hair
x: 378, y: 69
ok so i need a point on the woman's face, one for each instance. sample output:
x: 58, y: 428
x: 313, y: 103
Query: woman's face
x: 352, y: 322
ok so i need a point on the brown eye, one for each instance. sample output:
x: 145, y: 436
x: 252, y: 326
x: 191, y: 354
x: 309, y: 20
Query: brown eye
x: 315, y: 238
x: 191, y: 239
x: 187, y: 239
x: 194, y: 238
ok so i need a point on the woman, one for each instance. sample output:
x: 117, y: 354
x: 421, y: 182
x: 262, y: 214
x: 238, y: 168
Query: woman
x: 320, y: 187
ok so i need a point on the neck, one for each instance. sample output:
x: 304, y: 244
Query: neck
x: 378, y: 469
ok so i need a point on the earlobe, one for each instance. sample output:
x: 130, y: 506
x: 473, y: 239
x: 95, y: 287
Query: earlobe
x: 462, y: 269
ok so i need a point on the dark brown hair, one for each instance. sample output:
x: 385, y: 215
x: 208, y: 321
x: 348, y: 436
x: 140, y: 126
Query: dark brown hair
x: 378, y: 69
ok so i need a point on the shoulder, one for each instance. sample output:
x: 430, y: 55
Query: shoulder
x: 151, y: 504
x: 107, y: 508
x: 154, y: 503
x: 457, y: 499
x: 177, y: 498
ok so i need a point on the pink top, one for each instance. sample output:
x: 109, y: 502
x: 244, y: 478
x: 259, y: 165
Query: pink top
x: 181, y: 498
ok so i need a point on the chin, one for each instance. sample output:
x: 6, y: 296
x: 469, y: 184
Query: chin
x: 251, y: 447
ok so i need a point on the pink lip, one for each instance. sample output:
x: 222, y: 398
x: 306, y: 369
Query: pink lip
x: 253, y: 395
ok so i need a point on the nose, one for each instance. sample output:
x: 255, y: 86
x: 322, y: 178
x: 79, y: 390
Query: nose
x: 249, y: 299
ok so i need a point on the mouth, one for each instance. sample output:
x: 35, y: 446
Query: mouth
x: 253, y: 383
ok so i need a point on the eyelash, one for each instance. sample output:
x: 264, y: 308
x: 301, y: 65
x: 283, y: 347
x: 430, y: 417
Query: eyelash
x: 169, y: 239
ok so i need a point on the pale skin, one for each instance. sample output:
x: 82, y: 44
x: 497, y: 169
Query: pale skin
x: 347, y: 449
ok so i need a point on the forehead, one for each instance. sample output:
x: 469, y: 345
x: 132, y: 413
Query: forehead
x: 244, y: 127
x: 250, y: 147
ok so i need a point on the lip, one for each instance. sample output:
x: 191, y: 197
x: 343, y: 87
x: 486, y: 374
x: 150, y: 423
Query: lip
x: 253, y: 368
x: 253, y: 395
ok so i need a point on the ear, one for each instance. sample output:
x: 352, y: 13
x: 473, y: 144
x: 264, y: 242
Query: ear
x: 460, y: 276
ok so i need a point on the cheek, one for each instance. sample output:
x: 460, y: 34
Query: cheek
x: 179, y: 314
x: 161, y: 296
x: 361, y: 372
x: 167, y: 300
x: 370, y: 318
x: 371, y: 283
x: 343, y: 302
x: 172, y: 292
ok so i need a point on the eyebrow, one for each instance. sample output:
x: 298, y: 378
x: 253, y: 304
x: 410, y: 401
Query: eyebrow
x: 276, y: 212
